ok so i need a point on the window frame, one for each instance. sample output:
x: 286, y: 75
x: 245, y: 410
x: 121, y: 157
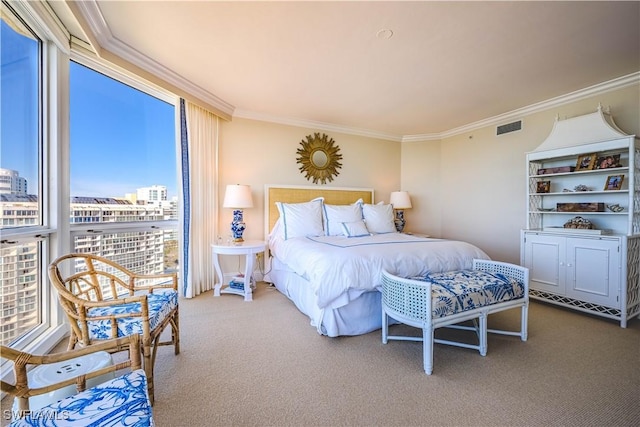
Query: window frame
x: 51, y: 129
x: 98, y: 65
x: 58, y: 49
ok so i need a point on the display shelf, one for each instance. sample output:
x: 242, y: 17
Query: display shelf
x: 610, y: 171
x: 560, y: 186
x: 595, y: 270
x: 580, y: 213
x: 579, y: 193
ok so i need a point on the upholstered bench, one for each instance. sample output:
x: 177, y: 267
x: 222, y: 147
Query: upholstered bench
x: 447, y: 299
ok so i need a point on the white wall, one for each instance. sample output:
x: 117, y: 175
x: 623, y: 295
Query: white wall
x: 468, y: 187
x: 258, y: 153
x: 472, y: 186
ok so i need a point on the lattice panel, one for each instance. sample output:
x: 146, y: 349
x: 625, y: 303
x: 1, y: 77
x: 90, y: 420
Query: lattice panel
x: 633, y: 276
x: 635, y: 220
x: 600, y: 310
x: 535, y: 202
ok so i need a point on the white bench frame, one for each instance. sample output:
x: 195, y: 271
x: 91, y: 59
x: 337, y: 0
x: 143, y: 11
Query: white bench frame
x: 416, y: 309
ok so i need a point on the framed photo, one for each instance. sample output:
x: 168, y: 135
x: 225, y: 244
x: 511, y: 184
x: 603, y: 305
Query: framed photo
x: 606, y: 162
x: 586, y: 162
x: 614, y: 182
x: 543, y: 186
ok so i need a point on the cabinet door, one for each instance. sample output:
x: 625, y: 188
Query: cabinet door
x: 544, y: 257
x: 593, y: 270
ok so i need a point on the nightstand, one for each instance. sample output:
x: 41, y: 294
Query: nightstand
x: 248, y: 248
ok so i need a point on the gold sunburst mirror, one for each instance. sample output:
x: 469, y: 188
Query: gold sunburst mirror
x: 319, y: 158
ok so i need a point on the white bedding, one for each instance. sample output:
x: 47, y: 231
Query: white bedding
x: 339, y: 269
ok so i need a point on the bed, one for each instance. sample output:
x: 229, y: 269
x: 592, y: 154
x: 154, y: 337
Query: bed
x: 328, y: 247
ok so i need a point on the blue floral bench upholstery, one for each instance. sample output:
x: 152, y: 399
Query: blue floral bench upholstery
x: 121, y: 401
x: 449, y: 298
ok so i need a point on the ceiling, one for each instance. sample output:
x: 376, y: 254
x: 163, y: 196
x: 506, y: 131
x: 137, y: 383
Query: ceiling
x: 445, y: 66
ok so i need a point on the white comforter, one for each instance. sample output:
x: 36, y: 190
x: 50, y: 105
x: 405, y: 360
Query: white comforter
x: 340, y: 268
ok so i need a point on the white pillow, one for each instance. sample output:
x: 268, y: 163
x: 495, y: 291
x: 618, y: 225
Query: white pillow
x: 355, y: 229
x: 277, y: 231
x: 301, y: 219
x: 379, y: 218
x: 335, y: 215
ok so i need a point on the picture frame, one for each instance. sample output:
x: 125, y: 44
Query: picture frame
x: 614, y: 182
x: 607, y: 162
x: 586, y: 162
x: 543, y: 186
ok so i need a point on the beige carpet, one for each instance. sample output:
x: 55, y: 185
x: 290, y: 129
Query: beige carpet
x: 260, y: 363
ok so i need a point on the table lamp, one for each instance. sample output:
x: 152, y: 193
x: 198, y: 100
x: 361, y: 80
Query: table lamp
x: 400, y: 200
x: 237, y: 197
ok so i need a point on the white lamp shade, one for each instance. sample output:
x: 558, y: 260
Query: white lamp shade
x: 238, y: 197
x: 400, y: 200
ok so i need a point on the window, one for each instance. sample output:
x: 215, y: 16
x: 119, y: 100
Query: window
x: 21, y: 211
x: 111, y: 187
x: 123, y: 172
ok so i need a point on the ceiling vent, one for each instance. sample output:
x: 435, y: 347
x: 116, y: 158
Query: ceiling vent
x: 509, y: 127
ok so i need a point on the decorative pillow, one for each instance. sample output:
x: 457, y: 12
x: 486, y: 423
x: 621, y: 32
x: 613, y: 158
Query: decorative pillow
x: 335, y: 215
x: 379, y: 218
x: 355, y: 229
x: 301, y: 219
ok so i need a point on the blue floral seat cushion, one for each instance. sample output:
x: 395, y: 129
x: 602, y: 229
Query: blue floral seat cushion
x: 122, y: 401
x: 457, y: 291
x: 161, y: 304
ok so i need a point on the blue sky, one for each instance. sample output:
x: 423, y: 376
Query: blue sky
x: 121, y: 139
x: 18, y: 114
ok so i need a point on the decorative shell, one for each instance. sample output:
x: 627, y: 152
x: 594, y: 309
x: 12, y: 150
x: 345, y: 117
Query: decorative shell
x: 579, y: 223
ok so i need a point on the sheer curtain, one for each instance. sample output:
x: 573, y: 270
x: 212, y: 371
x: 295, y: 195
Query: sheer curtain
x: 199, y: 152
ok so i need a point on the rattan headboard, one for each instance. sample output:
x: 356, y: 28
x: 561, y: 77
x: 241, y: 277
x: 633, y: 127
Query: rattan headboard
x: 299, y: 194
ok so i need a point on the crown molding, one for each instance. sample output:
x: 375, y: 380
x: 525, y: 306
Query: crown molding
x: 291, y: 121
x: 422, y: 137
x: 578, y: 95
x: 101, y: 31
x: 83, y: 54
x: 98, y: 26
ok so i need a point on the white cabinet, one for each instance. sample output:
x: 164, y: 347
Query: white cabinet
x: 592, y: 270
x: 583, y: 268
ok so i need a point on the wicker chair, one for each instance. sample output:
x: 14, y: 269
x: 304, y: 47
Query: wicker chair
x: 104, y: 300
x: 120, y: 400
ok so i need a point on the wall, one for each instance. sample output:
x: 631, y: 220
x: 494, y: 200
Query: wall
x: 258, y: 153
x: 422, y: 178
x: 467, y: 187
x: 472, y: 186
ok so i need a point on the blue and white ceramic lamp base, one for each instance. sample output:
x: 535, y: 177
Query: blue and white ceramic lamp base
x: 237, y: 226
x: 399, y: 221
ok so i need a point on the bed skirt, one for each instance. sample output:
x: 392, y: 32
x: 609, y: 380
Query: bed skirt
x: 360, y: 316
